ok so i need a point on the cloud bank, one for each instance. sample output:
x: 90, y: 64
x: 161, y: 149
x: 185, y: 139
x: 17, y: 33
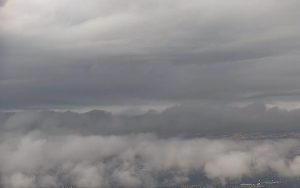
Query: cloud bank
x: 184, y: 120
x: 38, y: 160
x: 100, y: 149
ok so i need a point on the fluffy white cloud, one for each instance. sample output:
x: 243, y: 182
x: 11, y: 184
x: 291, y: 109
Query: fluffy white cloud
x: 142, y: 160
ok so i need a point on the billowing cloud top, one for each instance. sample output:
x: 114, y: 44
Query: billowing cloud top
x: 115, y: 52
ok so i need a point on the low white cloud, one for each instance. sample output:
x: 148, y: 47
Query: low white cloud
x: 135, y: 160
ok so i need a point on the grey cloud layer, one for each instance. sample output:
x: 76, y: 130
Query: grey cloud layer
x: 185, y: 121
x: 111, y: 52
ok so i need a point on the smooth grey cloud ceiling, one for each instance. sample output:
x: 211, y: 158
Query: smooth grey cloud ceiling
x: 62, y: 52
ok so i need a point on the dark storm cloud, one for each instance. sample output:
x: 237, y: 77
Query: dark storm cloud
x: 111, y: 52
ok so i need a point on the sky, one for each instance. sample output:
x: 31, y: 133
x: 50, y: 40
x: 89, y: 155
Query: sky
x: 82, y: 54
x: 148, y: 93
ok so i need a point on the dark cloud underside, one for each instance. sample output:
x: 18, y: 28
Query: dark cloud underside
x: 115, y: 53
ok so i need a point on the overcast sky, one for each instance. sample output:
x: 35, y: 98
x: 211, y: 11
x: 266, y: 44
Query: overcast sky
x: 62, y: 53
x: 211, y: 69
